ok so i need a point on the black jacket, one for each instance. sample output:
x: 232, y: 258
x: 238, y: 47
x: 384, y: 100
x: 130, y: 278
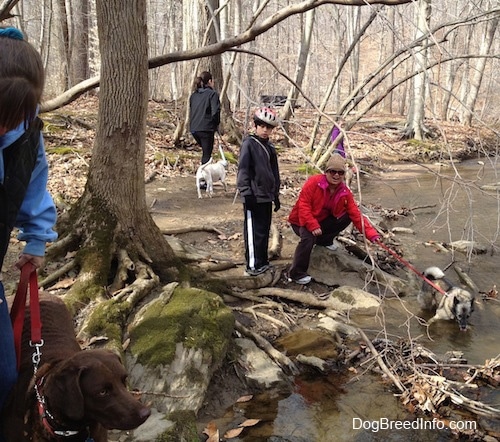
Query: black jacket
x: 204, y: 110
x: 258, y: 172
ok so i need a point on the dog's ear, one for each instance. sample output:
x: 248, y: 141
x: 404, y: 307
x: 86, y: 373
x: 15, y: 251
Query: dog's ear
x: 63, y: 392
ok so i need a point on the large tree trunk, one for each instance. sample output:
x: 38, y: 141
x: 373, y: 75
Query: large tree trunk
x: 111, y: 220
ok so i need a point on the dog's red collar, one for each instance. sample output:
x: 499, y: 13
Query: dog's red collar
x: 48, y: 421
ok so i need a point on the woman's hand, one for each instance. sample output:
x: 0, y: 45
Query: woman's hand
x: 317, y: 232
x: 37, y: 261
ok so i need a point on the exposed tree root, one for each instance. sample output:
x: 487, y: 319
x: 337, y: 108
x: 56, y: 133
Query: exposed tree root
x: 293, y: 295
x: 255, y: 313
x: 286, y: 364
x: 125, y: 266
x: 276, y: 242
x: 101, y: 317
x: 216, y: 266
x: 54, y: 276
x: 146, y: 280
x: 189, y: 229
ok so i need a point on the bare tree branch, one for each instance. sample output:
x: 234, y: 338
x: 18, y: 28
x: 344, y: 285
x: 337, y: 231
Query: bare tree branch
x: 219, y: 47
x: 5, y: 8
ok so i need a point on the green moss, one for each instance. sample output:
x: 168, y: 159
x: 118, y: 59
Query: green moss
x: 423, y: 145
x: 346, y: 298
x: 62, y: 150
x: 308, y: 169
x: 193, y: 317
x: 107, y: 319
x: 231, y: 159
x: 183, y: 430
x: 81, y: 293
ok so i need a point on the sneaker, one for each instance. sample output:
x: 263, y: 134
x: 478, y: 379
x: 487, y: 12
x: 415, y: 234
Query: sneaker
x: 332, y: 247
x: 203, y: 185
x: 255, y: 272
x: 303, y: 281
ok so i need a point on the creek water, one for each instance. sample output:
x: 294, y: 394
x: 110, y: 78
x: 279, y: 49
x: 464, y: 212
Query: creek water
x: 448, y: 205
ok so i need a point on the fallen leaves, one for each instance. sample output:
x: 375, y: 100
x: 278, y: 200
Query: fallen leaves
x: 212, y: 431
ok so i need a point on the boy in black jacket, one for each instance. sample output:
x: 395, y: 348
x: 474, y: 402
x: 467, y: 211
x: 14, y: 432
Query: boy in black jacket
x: 258, y: 182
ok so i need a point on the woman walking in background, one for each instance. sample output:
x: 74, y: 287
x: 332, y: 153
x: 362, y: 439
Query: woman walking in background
x: 204, y: 114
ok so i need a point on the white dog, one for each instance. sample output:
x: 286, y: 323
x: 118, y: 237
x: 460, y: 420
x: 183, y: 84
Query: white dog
x: 211, y: 173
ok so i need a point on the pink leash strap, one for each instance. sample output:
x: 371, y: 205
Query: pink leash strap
x: 17, y: 313
x: 413, y: 269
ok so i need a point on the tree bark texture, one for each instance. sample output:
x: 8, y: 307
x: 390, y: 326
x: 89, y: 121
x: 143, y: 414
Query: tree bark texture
x: 115, y: 189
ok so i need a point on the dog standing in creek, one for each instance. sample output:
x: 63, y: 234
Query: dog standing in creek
x: 75, y: 394
x: 210, y: 173
x: 456, y: 303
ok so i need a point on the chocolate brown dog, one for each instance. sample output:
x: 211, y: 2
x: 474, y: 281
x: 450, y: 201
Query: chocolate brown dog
x: 75, y: 394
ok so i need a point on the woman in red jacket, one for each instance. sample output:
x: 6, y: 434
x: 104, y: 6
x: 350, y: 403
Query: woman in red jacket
x: 324, y: 208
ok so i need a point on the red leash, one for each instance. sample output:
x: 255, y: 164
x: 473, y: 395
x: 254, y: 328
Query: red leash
x: 413, y: 269
x: 17, y: 312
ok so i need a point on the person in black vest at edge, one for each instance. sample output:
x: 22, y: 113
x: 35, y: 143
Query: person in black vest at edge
x: 258, y: 182
x: 24, y: 200
x: 204, y: 114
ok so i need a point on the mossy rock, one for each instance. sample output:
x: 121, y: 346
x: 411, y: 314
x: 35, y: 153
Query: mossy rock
x: 193, y: 317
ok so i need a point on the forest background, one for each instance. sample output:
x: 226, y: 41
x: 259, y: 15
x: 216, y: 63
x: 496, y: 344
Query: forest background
x: 342, y: 60
x: 415, y: 59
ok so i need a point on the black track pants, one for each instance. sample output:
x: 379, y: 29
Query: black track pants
x: 256, y: 232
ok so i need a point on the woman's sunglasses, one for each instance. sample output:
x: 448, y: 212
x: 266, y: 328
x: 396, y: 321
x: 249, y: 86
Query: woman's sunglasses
x: 335, y: 172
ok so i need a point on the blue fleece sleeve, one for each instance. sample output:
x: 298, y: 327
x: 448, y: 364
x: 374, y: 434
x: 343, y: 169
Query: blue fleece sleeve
x: 37, y: 216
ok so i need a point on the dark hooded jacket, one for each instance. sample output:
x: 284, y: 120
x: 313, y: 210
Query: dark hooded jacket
x: 258, y: 172
x: 204, y: 105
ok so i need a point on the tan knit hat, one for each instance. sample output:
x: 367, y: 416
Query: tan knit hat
x: 336, y: 162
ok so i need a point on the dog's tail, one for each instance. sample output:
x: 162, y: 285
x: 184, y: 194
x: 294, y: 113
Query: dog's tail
x: 222, y: 156
x: 202, y: 167
x: 436, y: 274
x: 433, y: 273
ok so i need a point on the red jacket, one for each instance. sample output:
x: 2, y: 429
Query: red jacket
x: 307, y: 211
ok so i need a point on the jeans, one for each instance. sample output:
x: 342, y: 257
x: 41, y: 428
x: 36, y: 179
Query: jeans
x: 8, y: 369
x: 330, y: 227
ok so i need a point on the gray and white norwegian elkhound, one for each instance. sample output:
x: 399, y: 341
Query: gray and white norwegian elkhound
x: 456, y: 303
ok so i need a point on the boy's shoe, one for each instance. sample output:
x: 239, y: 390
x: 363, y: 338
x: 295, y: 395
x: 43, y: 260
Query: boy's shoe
x: 203, y: 185
x: 303, y: 281
x: 255, y: 272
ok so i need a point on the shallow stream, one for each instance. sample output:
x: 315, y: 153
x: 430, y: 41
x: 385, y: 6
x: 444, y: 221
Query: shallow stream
x: 447, y: 206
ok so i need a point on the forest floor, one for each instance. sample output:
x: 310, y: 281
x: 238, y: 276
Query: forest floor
x: 215, y: 224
